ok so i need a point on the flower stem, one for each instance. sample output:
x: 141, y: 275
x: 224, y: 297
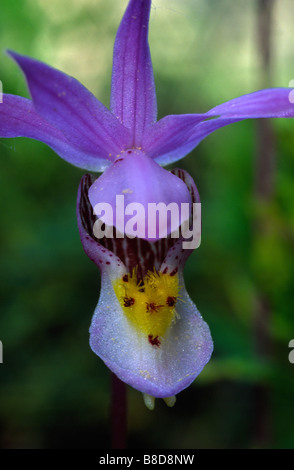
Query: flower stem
x: 118, y: 413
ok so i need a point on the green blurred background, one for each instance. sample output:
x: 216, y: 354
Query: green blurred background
x: 54, y: 392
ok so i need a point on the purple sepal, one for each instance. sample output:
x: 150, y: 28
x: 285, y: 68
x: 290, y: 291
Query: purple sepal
x: 76, y: 112
x: 18, y: 118
x: 133, y: 98
x: 171, y: 138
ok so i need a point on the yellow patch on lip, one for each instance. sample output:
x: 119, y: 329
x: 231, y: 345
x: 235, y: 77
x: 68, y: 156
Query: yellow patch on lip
x: 149, y: 304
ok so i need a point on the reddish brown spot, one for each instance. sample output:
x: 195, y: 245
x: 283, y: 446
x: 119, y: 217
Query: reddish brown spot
x: 165, y: 270
x: 129, y: 151
x: 154, y: 341
x: 152, y: 307
x: 118, y: 160
x: 171, y: 301
x: 128, y: 301
x: 125, y: 278
x: 174, y: 272
x: 107, y: 262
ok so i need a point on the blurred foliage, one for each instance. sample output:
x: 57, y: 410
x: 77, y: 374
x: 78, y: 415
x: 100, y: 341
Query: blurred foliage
x: 54, y: 392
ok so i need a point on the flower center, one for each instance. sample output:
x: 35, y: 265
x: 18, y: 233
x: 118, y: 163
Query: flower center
x: 149, y: 304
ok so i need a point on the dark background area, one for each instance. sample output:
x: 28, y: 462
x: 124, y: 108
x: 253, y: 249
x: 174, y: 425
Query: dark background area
x: 54, y: 392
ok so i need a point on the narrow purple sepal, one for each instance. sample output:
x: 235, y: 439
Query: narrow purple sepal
x: 170, y: 138
x: 18, y: 118
x: 173, y: 137
x: 76, y: 112
x: 199, y: 133
x: 133, y: 98
x: 268, y: 103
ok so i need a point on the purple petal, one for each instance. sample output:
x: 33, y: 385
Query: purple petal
x: 18, y: 118
x: 70, y: 107
x: 200, y: 132
x: 169, y: 139
x: 174, y: 137
x: 269, y: 103
x: 138, y: 182
x: 133, y: 98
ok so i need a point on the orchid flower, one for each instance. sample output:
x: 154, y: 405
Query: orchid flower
x: 145, y: 327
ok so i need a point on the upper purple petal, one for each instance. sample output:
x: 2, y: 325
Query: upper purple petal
x: 133, y: 98
x: 18, y: 118
x: 171, y: 138
x: 69, y: 106
x: 200, y: 132
x: 268, y: 103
